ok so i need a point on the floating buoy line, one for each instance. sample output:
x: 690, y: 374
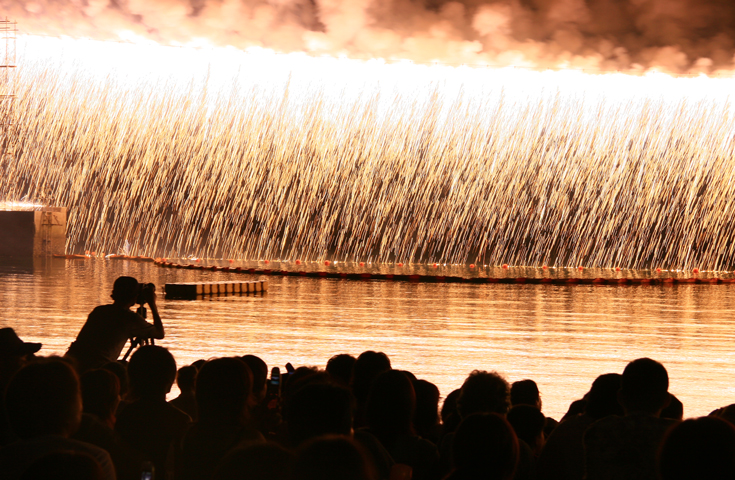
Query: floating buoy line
x: 407, y: 277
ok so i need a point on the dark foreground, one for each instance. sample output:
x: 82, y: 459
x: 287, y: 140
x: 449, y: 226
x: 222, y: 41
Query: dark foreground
x: 358, y: 419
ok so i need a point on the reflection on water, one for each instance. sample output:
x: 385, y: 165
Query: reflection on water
x: 560, y: 336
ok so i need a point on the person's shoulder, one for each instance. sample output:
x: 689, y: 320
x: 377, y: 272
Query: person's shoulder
x: 52, y: 443
x: 175, y: 414
x: 574, y: 423
x: 131, y: 414
x: 603, y: 428
x: 570, y: 430
x: 100, y: 454
x: 130, y: 314
x: 100, y: 311
x: 644, y: 421
x: 112, y: 311
x: 425, y: 444
x: 605, y: 422
x: 84, y: 447
x: 104, y: 308
x: 658, y: 426
x: 417, y: 445
x: 250, y: 436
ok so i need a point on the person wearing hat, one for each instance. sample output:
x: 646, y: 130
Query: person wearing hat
x: 14, y: 354
x: 108, y: 327
x: 12, y: 346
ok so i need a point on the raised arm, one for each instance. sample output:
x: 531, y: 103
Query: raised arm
x: 158, y: 331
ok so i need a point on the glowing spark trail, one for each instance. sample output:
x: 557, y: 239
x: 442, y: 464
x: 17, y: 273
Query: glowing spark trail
x: 223, y: 153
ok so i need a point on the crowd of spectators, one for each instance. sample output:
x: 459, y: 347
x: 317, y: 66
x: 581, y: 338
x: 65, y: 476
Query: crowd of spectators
x: 357, y: 419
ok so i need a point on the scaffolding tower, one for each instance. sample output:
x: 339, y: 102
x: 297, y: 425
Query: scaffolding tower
x: 8, y: 38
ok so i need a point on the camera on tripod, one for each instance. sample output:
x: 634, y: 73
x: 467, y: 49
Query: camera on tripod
x: 145, y: 295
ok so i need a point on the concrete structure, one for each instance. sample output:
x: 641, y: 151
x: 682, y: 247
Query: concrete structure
x: 27, y: 233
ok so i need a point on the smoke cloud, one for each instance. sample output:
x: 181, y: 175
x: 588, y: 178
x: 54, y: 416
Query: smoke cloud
x: 677, y: 36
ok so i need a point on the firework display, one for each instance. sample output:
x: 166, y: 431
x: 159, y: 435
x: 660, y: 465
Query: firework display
x: 254, y: 155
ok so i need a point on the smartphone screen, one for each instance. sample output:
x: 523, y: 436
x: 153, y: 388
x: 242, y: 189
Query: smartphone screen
x: 146, y: 473
x: 275, y: 377
x: 274, y: 383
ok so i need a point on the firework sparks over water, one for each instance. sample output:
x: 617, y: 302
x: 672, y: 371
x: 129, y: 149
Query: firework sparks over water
x: 251, y: 154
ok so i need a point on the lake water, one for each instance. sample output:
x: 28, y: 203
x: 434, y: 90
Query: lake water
x: 560, y: 336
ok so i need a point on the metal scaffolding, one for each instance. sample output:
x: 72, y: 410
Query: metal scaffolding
x: 8, y: 38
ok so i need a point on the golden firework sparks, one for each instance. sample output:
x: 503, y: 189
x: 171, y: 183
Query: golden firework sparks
x: 252, y: 154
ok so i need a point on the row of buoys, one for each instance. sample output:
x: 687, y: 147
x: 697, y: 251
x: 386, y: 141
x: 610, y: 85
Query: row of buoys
x: 134, y: 258
x: 110, y: 257
x: 197, y: 289
x: 418, y: 278
x: 328, y: 263
x: 454, y: 279
x: 504, y: 266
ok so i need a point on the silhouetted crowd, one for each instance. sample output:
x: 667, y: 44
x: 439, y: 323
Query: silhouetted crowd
x: 358, y: 419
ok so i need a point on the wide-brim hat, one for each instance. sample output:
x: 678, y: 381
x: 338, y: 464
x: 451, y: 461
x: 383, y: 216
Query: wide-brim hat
x: 12, y: 346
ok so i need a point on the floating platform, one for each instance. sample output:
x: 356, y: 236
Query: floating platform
x: 196, y: 289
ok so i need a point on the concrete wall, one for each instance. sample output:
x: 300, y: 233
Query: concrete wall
x: 33, y: 233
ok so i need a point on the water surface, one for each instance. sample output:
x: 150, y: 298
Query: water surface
x: 561, y: 336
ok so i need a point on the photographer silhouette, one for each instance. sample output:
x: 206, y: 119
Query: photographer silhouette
x: 109, y: 327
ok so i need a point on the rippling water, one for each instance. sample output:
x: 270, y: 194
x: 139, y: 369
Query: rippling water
x: 560, y: 336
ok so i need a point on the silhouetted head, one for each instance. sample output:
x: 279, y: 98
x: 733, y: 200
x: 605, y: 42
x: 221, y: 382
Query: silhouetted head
x: 266, y: 461
x: 125, y: 290
x: 528, y: 424
x: 525, y: 392
x: 259, y: 370
x: 223, y: 390
x: 198, y: 364
x: 602, y: 399
x: 449, y: 413
x: 577, y: 407
x: 483, y: 392
x: 426, y: 417
x: 43, y: 398
x: 152, y: 370
x: 485, y: 447
x: 391, y: 405
x: 64, y: 466
x: 318, y: 409
x: 674, y: 410
x: 339, y: 367
x: 726, y: 413
x: 301, y: 377
x: 186, y: 379
x: 332, y: 458
x: 698, y: 449
x: 100, y: 393
x: 367, y: 367
x: 121, y: 372
x: 644, y: 387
